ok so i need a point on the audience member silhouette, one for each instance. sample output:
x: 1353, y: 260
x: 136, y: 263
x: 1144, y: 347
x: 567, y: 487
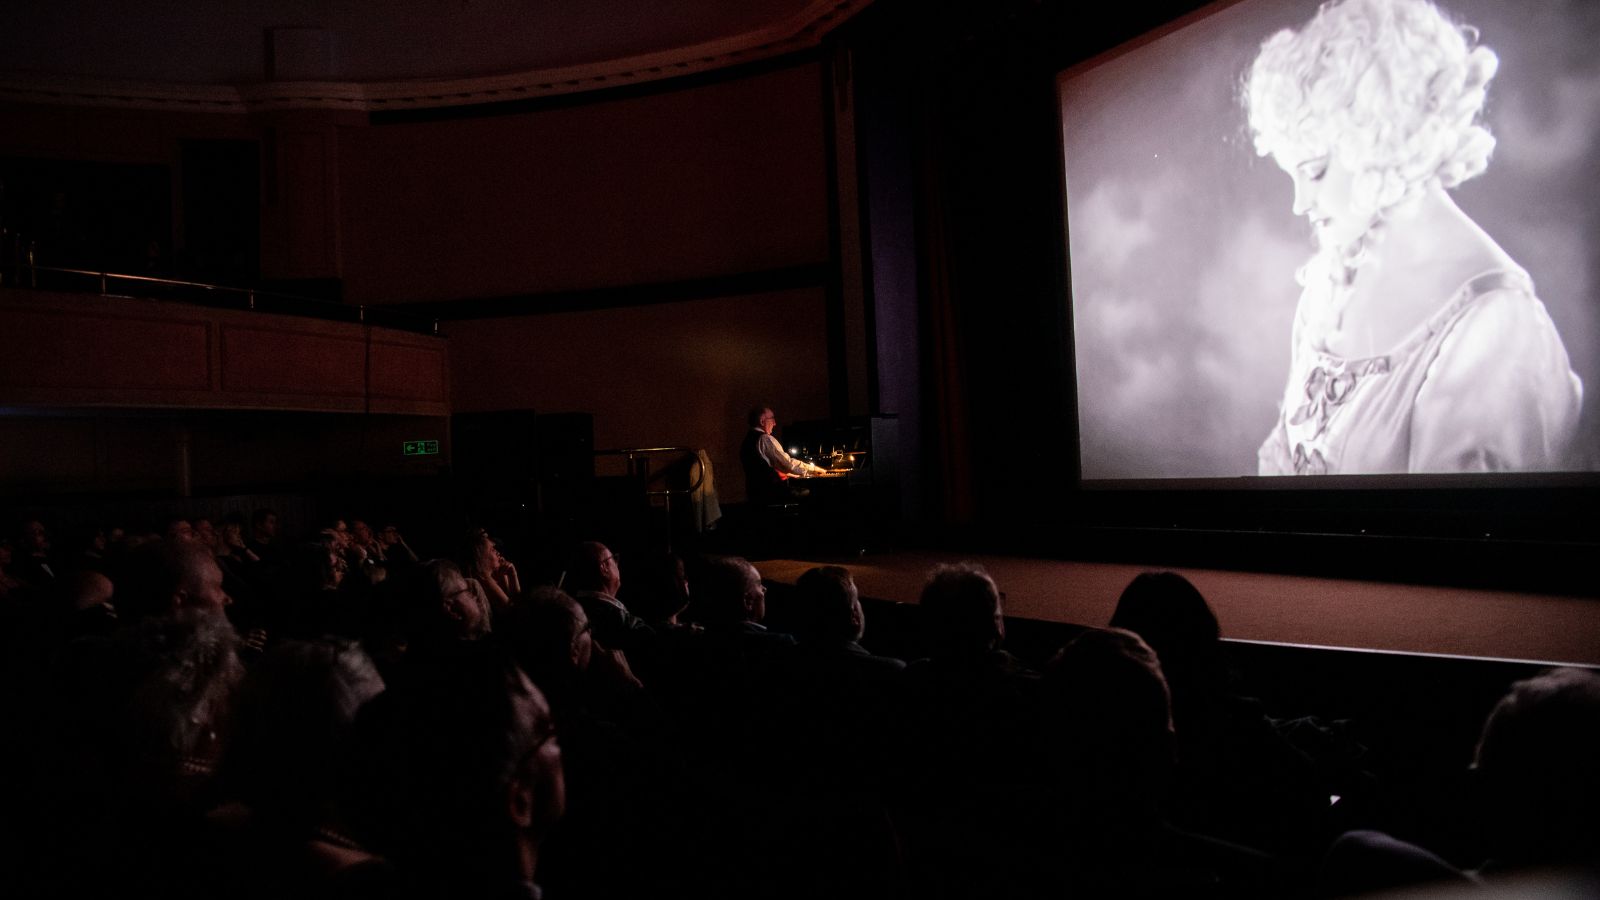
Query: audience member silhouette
x: 364, y: 542
x: 723, y: 680
x: 469, y: 774
x: 550, y: 637
x: 1536, y: 790
x: 292, y: 765
x: 620, y: 759
x: 594, y: 578
x: 839, y: 693
x: 205, y: 533
x: 830, y: 621
x: 35, y: 563
x: 965, y: 831
x: 1109, y: 721
x: 1537, y: 773
x: 263, y: 537
x: 309, y: 601
x: 661, y: 596
x: 836, y: 681
x: 84, y: 608
x: 732, y: 600
x: 139, y: 724
x: 88, y: 548
x: 396, y: 552
x: 178, y: 529
x: 173, y: 756
x: 242, y: 574
x: 481, y: 561
x: 435, y: 615
x: 1236, y: 777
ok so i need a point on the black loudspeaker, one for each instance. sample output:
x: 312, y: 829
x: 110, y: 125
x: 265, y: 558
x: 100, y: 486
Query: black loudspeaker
x: 495, y: 455
x: 565, y: 444
x: 517, y: 460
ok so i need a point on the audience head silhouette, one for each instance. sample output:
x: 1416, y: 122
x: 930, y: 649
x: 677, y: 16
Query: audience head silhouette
x: 829, y: 604
x: 163, y: 577
x: 442, y: 605
x: 472, y: 774
x: 290, y: 757
x: 548, y: 634
x: 1108, y: 697
x: 731, y: 593
x: 1537, y: 765
x: 963, y: 610
x: 665, y: 595
x: 593, y: 567
x: 1165, y: 610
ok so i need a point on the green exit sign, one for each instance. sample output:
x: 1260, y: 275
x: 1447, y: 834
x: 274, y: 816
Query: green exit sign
x: 420, y: 448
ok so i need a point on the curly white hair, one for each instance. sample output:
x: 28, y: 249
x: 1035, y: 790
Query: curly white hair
x: 1392, y: 88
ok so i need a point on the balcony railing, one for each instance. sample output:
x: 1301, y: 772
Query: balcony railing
x: 151, y: 287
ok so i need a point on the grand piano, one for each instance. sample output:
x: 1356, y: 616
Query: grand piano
x: 859, y: 497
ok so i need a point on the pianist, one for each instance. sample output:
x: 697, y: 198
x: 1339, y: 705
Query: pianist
x: 766, y: 465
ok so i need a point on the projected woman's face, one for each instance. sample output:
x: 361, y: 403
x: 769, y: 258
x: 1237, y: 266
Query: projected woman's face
x: 1323, y: 192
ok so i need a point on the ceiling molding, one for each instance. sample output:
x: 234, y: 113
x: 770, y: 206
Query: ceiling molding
x: 801, y: 31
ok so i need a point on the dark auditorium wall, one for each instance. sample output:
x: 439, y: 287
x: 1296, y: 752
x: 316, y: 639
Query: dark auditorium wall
x: 720, y: 178
x: 118, y: 394
x: 110, y: 135
x: 670, y: 374
x: 291, y: 183
x: 725, y: 176
x: 154, y: 454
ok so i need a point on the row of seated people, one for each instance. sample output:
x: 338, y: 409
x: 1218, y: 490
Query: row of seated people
x: 250, y: 553
x: 435, y: 728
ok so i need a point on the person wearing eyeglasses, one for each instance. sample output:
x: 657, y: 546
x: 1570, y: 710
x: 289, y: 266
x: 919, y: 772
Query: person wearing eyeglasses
x: 364, y: 542
x: 468, y: 766
x: 731, y: 602
x: 766, y: 465
x: 395, y: 549
x: 594, y: 578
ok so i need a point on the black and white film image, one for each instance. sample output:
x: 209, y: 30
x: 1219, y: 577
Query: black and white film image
x: 1357, y: 237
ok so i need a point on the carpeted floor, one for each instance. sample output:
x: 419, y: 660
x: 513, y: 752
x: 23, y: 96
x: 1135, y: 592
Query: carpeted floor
x: 1272, y: 608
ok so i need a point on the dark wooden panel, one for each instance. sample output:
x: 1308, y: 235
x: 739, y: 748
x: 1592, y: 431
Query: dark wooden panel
x: 716, y: 180
x: 94, y: 349
x: 406, y: 371
x: 83, y: 351
x: 292, y: 361
x: 299, y: 236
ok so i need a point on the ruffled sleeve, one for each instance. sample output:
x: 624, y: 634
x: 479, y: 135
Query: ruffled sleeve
x: 1500, y: 394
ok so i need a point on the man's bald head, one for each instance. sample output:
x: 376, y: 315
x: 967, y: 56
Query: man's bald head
x: 86, y: 589
x: 594, y: 568
x: 548, y: 633
x: 163, y: 577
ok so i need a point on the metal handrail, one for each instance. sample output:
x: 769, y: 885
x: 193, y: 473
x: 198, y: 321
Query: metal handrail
x: 634, y: 453
x: 327, y: 309
x: 637, y: 454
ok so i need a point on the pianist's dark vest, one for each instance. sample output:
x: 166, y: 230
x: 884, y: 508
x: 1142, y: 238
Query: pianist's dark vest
x: 761, y: 482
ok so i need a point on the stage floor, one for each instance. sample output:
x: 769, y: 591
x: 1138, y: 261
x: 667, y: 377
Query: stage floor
x: 1277, y: 609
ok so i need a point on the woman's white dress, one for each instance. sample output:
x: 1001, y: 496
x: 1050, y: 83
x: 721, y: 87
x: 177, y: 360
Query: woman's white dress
x: 1483, y: 385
